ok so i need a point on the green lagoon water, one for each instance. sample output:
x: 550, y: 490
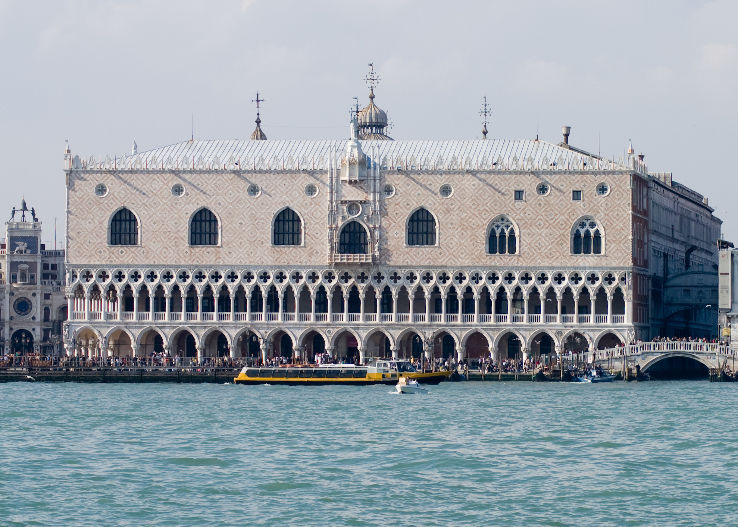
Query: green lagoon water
x: 657, y: 453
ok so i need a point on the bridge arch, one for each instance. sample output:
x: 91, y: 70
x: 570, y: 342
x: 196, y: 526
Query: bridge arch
x: 677, y: 364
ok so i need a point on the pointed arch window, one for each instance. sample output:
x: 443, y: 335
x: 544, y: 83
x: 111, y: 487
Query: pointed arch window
x: 124, y: 228
x: 502, y: 237
x: 586, y: 237
x: 204, y: 228
x: 421, y: 228
x: 287, y: 228
x: 353, y: 239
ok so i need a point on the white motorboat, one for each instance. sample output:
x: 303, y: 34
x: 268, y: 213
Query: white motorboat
x: 406, y: 385
x: 596, y: 376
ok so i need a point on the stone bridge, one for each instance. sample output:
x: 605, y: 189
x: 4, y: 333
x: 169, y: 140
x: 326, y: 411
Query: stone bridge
x: 648, y: 354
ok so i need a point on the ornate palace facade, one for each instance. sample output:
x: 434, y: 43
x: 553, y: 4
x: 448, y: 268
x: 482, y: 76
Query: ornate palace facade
x: 365, y: 247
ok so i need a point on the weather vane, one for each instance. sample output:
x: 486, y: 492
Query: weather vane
x: 485, y: 112
x: 372, y: 78
x: 258, y: 102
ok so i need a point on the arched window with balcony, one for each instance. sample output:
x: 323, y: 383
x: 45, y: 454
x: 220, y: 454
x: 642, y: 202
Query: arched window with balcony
x: 353, y: 239
x: 421, y: 228
x: 204, y: 228
x: 502, y: 237
x: 587, y: 237
x: 123, y: 228
x: 287, y: 228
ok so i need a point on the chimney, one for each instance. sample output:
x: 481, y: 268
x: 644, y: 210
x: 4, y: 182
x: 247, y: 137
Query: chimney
x: 566, y: 130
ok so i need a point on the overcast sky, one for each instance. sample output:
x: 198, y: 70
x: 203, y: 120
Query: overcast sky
x: 102, y: 73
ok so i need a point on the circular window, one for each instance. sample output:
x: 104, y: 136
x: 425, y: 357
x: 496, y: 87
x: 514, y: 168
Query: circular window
x: 22, y: 306
x: 389, y: 191
x: 101, y: 189
x: 603, y: 189
x: 543, y: 189
x: 310, y: 190
x: 445, y: 191
x: 253, y: 190
x: 353, y: 208
x: 177, y: 190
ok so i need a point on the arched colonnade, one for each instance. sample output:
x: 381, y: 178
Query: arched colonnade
x: 342, y: 344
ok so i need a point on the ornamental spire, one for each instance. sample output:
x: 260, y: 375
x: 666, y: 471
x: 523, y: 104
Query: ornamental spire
x: 258, y: 134
x: 485, y: 112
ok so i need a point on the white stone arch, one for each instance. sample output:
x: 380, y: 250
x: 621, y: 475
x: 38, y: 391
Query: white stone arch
x: 139, y: 227
x: 435, y: 220
x: 373, y: 331
x: 124, y: 330
x: 541, y: 331
x: 469, y: 333
x: 604, y: 332
x: 302, y: 227
x: 334, y: 338
x: 582, y: 332
x: 143, y: 331
x: 270, y: 336
x: 320, y: 331
x: 174, y: 334
x: 245, y: 330
x: 671, y: 354
x: 418, y: 332
x: 502, y: 223
x: 502, y: 333
x: 97, y: 333
x: 220, y: 227
x: 576, y: 226
x: 451, y: 332
x: 212, y: 329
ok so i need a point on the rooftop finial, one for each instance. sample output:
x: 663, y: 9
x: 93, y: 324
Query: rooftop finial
x: 355, y: 109
x: 372, y: 79
x: 134, y: 148
x: 485, y: 112
x: 630, y: 147
x: 258, y: 135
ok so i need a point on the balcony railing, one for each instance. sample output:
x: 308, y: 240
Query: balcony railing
x: 352, y: 318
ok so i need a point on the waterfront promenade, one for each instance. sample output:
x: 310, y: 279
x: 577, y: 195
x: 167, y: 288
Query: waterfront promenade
x: 629, y: 361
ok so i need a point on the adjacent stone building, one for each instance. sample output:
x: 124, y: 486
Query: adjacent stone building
x: 368, y: 247
x: 31, y: 277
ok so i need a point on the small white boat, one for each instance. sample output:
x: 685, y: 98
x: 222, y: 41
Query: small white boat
x: 596, y: 376
x: 405, y: 385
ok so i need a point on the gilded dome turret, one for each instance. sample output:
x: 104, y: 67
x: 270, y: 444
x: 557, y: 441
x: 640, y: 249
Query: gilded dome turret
x: 372, y: 120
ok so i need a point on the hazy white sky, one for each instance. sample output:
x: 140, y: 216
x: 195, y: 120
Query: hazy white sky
x: 103, y: 73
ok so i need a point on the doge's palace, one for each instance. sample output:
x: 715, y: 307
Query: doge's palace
x: 361, y: 247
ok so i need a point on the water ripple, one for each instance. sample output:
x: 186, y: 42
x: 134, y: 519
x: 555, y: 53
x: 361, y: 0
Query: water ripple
x: 464, y: 454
